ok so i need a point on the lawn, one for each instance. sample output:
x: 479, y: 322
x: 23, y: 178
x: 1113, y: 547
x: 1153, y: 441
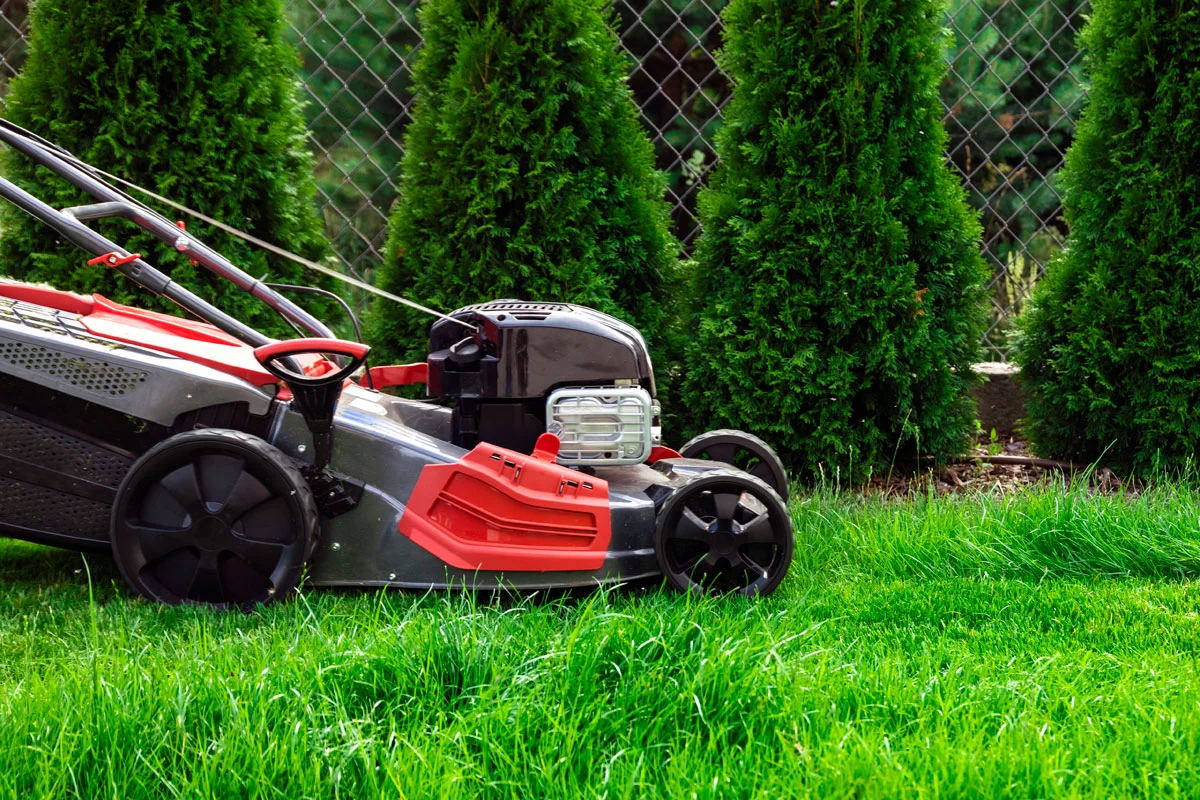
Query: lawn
x: 1036, y: 645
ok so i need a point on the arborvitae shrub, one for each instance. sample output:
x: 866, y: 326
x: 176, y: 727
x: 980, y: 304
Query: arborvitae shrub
x: 1110, y: 352
x: 196, y: 101
x: 526, y: 174
x: 839, y: 273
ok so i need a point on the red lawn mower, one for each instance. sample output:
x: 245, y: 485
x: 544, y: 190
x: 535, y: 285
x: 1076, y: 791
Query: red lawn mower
x: 219, y: 466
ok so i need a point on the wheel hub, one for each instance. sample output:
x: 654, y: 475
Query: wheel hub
x: 211, y: 533
x: 723, y: 542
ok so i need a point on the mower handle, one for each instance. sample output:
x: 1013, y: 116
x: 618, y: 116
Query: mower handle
x: 114, y: 203
x: 270, y: 356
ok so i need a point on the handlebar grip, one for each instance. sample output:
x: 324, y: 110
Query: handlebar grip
x: 269, y: 355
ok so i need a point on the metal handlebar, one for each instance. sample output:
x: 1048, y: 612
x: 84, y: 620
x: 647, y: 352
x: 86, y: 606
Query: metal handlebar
x: 115, y: 203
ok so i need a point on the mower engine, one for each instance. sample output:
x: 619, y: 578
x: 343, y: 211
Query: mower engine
x: 532, y: 368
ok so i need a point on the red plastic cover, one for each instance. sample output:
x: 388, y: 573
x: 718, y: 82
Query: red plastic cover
x: 195, y: 341
x: 45, y: 296
x: 499, y: 510
x: 189, y: 339
x: 396, y: 375
x: 659, y: 452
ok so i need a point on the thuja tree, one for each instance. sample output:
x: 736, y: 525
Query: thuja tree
x: 196, y: 101
x: 839, y: 267
x: 526, y: 173
x: 1110, y: 352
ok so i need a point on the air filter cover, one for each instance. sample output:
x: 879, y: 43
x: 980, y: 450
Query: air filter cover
x: 601, y: 425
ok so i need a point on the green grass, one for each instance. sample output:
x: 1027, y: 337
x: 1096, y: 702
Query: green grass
x: 1036, y: 646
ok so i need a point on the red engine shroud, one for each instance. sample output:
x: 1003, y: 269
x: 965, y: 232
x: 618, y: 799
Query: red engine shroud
x: 499, y: 510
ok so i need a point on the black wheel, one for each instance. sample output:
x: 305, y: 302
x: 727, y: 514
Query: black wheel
x: 215, y: 517
x: 744, y: 451
x: 724, y: 531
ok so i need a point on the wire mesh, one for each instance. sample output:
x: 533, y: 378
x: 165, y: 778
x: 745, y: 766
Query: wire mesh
x: 1012, y: 94
x: 13, y: 17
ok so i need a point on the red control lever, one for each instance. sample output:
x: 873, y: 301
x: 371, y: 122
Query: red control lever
x: 113, y: 259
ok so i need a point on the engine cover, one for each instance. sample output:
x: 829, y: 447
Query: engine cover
x: 527, y: 350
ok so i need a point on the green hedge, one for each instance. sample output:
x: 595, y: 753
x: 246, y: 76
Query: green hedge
x: 1110, y: 346
x: 839, y: 269
x: 197, y: 101
x: 526, y: 173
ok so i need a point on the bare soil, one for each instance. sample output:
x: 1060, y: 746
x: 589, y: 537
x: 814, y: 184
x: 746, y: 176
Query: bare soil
x: 975, y: 474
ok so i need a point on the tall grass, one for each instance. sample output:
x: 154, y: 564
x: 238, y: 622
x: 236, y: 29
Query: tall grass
x: 1039, y: 645
x: 1055, y: 531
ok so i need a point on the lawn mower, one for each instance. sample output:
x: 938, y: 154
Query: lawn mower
x: 220, y: 466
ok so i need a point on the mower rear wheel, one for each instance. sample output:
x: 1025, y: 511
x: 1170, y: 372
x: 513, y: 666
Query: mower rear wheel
x: 214, y: 517
x: 743, y: 450
x: 724, y: 531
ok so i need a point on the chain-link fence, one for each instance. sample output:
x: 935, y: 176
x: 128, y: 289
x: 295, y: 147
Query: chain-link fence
x: 1012, y: 95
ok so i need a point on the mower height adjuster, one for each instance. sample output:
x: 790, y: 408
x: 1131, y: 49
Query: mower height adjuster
x: 334, y: 494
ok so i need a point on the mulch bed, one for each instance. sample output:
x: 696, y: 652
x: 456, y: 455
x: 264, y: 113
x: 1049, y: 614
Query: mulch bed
x: 976, y: 474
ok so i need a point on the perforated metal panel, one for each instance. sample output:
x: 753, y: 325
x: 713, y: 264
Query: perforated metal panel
x: 49, y: 320
x: 40, y: 509
x: 517, y: 306
x: 48, y: 447
x: 97, y: 377
x: 142, y: 383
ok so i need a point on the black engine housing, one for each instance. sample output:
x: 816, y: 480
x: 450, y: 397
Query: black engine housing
x: 501, y: 375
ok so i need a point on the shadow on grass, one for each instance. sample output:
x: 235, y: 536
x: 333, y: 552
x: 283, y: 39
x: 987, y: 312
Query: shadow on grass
x: 24, y: 564
x: 28, y: 569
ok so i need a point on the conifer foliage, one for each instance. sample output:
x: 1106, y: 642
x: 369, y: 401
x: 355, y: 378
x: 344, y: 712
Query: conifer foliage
x: 839, y: 268
x: 526, y: 173
x: 1110, y: 352
x: 197, y: 101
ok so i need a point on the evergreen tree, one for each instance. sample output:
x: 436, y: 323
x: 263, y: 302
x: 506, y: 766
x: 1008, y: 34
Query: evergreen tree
x: 1110, y: 352
x: 196, y: 101
x: 839, y: 268
x: 526, y: 172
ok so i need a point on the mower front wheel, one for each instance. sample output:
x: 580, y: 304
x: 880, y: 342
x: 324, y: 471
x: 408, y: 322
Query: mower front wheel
x: 724, y: 531
x: 214, y: 517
